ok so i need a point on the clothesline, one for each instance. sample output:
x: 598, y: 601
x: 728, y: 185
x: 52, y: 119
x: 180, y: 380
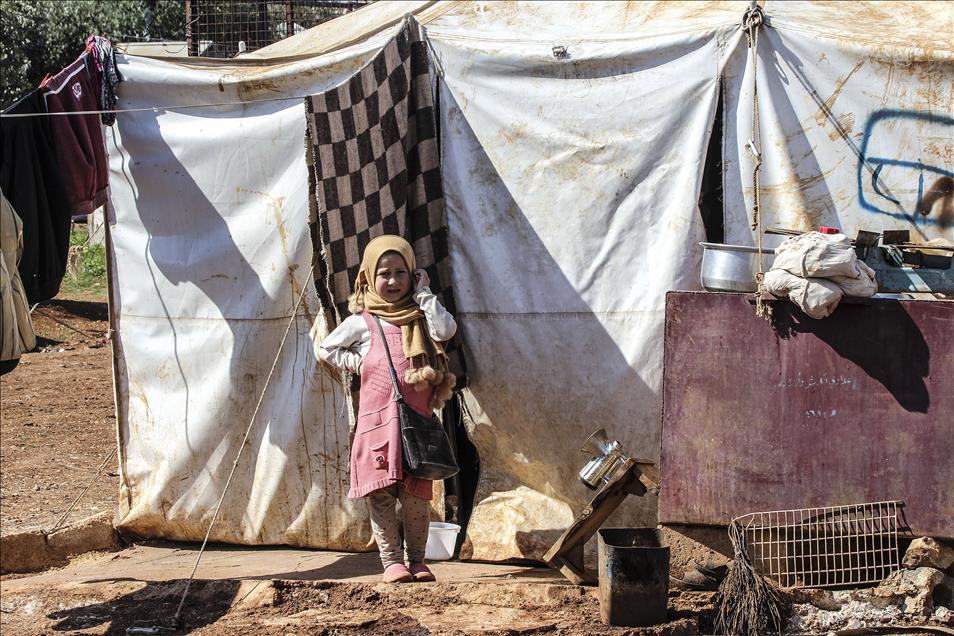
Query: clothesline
x: 156, y: 108
x: 54, y: 168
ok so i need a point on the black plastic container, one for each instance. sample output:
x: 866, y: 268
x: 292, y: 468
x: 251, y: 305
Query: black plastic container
x: 634, y: 577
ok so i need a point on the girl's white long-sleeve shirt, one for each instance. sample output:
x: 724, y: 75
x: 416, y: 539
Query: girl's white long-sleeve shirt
x: 345, y: 347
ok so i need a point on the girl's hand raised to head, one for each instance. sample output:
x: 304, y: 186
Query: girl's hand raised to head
x: 421, y: 279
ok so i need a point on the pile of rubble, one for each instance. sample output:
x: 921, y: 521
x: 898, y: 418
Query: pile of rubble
x: 920, y: 594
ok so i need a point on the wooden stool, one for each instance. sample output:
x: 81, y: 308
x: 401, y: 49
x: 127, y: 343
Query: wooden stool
x: 635, y: 477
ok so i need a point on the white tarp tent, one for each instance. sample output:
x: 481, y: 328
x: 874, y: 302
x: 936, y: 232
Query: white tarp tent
x: 210, y: 250
x: 571, y: 192
x: 857, y: 105
x: 571, y: 178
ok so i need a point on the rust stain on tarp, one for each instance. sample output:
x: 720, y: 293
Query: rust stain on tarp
x: 920, y: 30
x: 276, y: 205
x: 801, y: 202
x: 843, y: 126
x: 938, y: 202
x: 856, y: 407
x: 824, y: 110
x: 285, y: 80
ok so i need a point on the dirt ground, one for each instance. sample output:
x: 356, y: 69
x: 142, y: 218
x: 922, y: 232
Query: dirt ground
x: 266, y: 590
x: 332, y: 607
x: 57, y: 422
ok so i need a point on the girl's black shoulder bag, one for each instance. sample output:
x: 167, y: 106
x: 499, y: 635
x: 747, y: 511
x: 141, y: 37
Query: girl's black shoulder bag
x: 426, y: 450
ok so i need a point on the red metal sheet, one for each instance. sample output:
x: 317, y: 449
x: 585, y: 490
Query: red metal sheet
x: 852, y: 408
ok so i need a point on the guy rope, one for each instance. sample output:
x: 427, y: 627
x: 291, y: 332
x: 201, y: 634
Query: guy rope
x: 751, y: 21
x: 238, y: 455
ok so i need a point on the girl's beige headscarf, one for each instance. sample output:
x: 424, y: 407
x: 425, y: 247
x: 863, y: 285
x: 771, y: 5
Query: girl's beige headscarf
x: 427, y: 358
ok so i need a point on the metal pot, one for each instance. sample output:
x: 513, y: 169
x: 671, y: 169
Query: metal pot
x: 732, y: 268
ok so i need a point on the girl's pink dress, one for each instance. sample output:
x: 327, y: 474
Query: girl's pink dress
x: 376, y: 452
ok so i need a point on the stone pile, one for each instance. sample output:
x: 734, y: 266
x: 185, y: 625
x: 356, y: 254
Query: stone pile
x: 920, y: 594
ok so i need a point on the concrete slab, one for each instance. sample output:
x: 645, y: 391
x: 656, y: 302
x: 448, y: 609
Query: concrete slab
x: 34, y: 550
x: 165, y: 561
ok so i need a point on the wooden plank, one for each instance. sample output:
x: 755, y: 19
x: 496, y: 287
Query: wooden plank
x: 566, y: 554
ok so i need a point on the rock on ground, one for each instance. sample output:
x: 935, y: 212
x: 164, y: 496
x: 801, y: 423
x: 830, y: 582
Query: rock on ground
x: 912, y: 588
x: 943, y: 615
x: 823, y: 611
x: 906, y: 598
x: 927, y: 552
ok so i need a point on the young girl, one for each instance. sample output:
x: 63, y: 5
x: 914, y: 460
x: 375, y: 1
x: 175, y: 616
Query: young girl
x: 415, y: 324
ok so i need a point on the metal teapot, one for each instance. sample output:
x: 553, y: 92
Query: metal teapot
x: 607, y: 458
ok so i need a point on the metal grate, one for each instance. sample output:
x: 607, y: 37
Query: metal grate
x: 225, y: 28
x: 825, y: 547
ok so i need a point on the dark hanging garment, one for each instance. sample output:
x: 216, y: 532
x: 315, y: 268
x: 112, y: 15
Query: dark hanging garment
x: 29, y: 177
x: 105, y: 57
x: 78, y: 139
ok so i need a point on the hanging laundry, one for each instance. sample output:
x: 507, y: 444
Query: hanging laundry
x: 16, y: 327
x: 54, y: 167
x: 29, y: 178
x: 375, y: 169
x: 105, y: 56
x: 78, y: 139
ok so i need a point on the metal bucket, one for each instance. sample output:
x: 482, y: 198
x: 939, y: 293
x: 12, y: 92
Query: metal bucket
x: 634, y: 577
x: 732, y: 268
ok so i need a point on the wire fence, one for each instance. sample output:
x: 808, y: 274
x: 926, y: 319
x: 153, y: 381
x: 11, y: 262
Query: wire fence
x: 826, y: 547
x: 225, y: 28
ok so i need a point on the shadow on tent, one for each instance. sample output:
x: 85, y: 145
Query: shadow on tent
x: 523, y: 392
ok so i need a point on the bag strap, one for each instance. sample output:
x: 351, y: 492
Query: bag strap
x: 387, y: 352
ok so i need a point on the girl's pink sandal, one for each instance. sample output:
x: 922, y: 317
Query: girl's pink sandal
x: 397, y: 573
x: 421, y: 573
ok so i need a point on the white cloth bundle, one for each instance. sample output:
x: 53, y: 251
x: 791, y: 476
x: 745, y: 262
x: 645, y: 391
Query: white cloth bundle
x: 16, y: 327
x: 815, y: 270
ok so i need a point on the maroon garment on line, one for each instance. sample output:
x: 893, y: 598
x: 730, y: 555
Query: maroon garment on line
x: 78, y: 139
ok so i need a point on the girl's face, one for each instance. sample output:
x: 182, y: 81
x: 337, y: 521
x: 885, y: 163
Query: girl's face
x: 392, y: 280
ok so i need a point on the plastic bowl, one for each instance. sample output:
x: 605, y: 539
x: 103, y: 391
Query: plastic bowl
x: 441, y: 539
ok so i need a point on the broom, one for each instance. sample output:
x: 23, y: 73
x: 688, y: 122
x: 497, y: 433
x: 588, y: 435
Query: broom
x: 746, y: 603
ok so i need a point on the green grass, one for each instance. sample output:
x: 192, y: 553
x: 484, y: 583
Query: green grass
x: 86, y: 280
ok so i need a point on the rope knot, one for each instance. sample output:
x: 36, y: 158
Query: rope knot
x: 753, y: 18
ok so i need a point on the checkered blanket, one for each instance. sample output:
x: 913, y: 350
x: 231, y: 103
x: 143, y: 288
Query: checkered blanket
x: 376, y: 170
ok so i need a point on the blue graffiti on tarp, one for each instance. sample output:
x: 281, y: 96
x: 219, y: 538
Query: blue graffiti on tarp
x: 870, y: 167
